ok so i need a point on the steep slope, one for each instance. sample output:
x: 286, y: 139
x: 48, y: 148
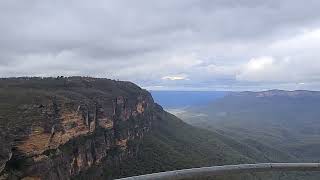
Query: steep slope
x: 57, y: 128
x: 172, y: 145
x: 77, y: 127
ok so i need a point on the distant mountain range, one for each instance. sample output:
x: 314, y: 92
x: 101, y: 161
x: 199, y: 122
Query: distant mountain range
x: 278, y: 93
x: 288, y: 121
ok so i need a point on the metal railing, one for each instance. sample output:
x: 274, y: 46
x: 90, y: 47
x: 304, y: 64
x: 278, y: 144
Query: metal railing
x: 226, y: 170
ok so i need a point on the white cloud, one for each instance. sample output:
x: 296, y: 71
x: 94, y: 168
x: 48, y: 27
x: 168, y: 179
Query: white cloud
x: 175, y: 77
x: 259, y: 64
x: 257, y: 69
x: 282, y: 70
x: 294, y: 61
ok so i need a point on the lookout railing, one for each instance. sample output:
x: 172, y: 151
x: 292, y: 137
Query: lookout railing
x: 206, y: 172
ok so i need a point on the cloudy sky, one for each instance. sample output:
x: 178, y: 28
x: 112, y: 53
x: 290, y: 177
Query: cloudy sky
x: 167, y: 44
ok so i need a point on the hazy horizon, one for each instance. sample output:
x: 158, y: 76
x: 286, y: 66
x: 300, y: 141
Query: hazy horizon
x: 175, y: 89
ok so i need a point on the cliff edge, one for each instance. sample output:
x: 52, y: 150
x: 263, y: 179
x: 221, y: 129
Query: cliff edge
x: 55, y: 128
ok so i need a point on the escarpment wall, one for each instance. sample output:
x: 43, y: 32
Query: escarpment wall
x: 71, y: 135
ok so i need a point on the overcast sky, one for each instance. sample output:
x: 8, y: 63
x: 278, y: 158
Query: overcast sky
x: 167, y: 44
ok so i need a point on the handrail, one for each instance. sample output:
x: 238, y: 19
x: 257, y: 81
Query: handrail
x: 226, y: 170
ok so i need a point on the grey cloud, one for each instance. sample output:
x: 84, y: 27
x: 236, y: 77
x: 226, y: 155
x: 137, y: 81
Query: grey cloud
x: 210, y: 41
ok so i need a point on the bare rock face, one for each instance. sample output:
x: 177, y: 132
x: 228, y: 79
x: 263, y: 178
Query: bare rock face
x: 5, y: 155
x: 77, y: 126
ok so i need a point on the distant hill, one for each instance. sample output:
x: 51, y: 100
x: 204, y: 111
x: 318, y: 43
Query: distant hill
x: 286, y: 120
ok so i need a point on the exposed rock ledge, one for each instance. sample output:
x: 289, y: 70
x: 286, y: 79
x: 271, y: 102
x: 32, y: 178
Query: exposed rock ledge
x: 72, y: 134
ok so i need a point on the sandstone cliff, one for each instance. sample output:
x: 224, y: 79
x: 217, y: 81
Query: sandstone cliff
x: 56, y: 128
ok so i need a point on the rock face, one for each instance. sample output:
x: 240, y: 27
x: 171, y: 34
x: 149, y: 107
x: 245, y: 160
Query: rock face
x: 59, y: 132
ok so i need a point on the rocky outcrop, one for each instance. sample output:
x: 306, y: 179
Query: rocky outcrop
x: 72, y: 135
